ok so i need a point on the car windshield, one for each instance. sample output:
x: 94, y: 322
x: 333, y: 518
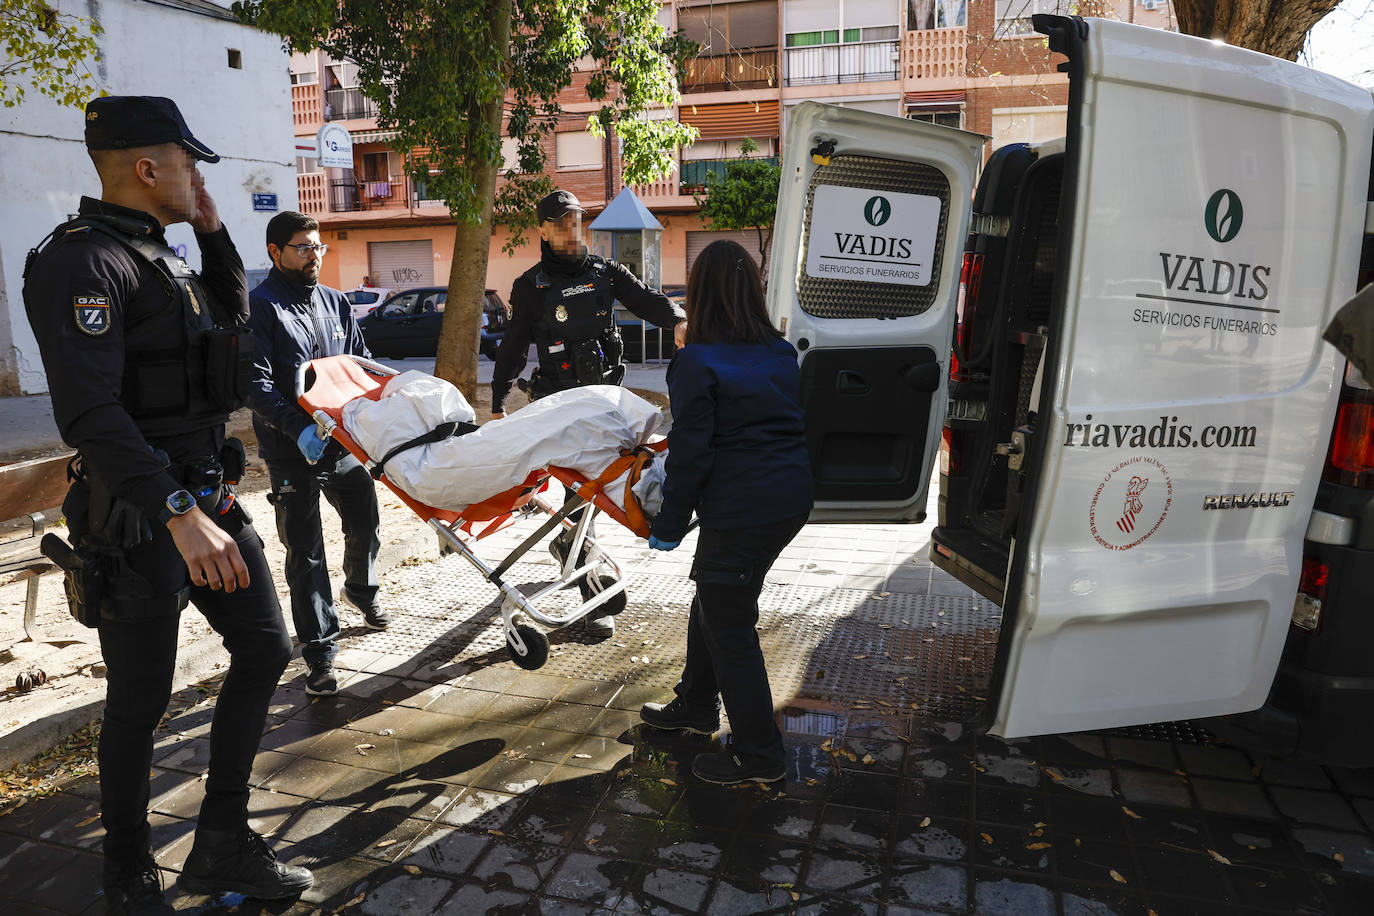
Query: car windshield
x: 400, y: 305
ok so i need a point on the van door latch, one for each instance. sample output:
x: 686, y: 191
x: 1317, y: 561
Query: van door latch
x: 1015, y: 450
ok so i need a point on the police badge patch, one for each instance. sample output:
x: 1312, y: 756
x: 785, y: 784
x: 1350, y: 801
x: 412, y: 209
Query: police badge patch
x: 92, y: 314
x: 560, y: 314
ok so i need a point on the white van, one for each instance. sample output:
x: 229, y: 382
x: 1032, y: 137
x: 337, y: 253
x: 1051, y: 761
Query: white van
x: 1128, y: 392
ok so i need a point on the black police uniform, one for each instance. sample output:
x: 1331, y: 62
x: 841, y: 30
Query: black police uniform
x: 293, y: 323
x: 141, y: 383
x: 565, y: 306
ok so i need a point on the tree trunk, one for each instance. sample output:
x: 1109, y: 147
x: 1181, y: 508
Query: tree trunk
x: 1273, y: 27
x: 467, y: 282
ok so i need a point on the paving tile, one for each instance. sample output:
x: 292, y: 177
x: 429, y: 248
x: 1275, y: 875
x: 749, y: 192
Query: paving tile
x: 1320, y: 848
x: 780, y: 818
x: 875, y: 755
x: 1006, y: 769
x: 29, y: 863
x: 1293, y: 772
x: 546, y: 823
x: 609, y: 832
x: 1345, y: 895
x: 855, y: 828
x: 941, y: 838
x: 1207, y: 760
x: 1224, y: 796
x: 645, y: 796
x: 417, y: 798
x: 1167, y: 905
x: 493, y: 677
x: 546, y: 744
x: 1275, y: 887
x: 933, y: 884
x: 517, y: 864
x: 1365, y: 808
x: 935, y: 796
x: 534, y: 684
x: 1099, y: 900
x: 469, y: 899
x: 655, y: 889
x: 855, y: 873
x: 755, y: 862
x: 412, y: 724
x: 613, y: 723
x: 292, y: 737
x: 1007, y: 806
x: 334, y: 712
x: 875, y: 791
x: 1252, y: 841
x: 1079, y: 816
x: 304, y: 776
x: 446, y: 850
x: 406, y: 895
x: 462, y: 702
x: 588, y: 692
x: 71, y: 888
x: 940, y: 763
x: 598, y: 752
x: 1310, y: 807
x: 1073, y: 750
x: 1157, y: 755
x: 1079, y: 781
x: 510, y: 709
x: 729, y: 899
x: 1354, y: 782
x: 1170, y: 871
x: 1169, y: 827
x: 1146, y: 787
x: 691, y: 847
x: 482, y: 809
x: 1000, y: 894
x: 1012, y: 848
x: 1091, y: 859
x: 513, y: 776
x: 591, y: 879
x: 313, y: 824
x: 189, y: 756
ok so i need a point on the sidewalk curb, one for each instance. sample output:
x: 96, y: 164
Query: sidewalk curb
x: 196, y: 661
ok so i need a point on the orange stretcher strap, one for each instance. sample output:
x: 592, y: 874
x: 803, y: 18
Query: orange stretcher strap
x: 632, y: 460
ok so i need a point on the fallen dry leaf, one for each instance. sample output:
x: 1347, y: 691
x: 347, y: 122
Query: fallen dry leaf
x: 583, y: 756
x: 494, y: 832
x: 1339, y: 857
x: 1038, y: 846
x: 668, y: 782
x: 794, y: 895
x: 860, y: 657
x: 385, y: 843
x: 811, y: 780
x: 1219, y: 857
x: 356, y: 900
x: 869, y: 760
x: 1116, y: 876
x: 1130, y: 813
x: 987, y: 838
x: 412, y: 869
x: 88, y: 821
x: 925, y: 822
x: 1053, y: 774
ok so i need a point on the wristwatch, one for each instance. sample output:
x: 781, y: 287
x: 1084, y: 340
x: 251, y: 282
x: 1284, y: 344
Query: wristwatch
x: 179, y: 503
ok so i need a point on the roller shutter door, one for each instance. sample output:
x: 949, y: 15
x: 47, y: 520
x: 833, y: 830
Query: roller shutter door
x: 400, y: 265
x: 697, y: 242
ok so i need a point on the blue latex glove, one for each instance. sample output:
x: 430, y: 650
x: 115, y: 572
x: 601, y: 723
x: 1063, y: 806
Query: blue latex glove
x: 310, y: 443
x: 656, y: 544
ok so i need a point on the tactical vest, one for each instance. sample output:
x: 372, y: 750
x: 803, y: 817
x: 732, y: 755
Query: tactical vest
x: 182, y: 370
x: 581, y: 344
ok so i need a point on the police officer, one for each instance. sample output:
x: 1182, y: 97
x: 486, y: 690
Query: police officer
x: 295, y: 319
x: 565, y: 305
x: 144, y: 361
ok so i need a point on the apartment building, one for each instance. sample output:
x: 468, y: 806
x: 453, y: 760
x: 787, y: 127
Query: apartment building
x: 971, y: 64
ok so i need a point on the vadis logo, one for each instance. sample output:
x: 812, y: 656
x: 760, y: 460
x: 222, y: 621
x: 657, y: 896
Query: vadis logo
x: 1223, y: 215
x: 877, y: 210
x: 1131, y: 503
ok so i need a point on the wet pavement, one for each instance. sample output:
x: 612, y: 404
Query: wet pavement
x: 446, y: 780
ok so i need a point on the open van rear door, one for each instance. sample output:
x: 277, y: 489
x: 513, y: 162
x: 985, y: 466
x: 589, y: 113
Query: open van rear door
x: 1210, y: 225
x: 867, y: 245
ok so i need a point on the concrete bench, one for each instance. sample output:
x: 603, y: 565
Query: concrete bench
x: 29, y: 491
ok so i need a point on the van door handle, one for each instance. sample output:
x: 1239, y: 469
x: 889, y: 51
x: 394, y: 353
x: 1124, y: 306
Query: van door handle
x: 849, y: 382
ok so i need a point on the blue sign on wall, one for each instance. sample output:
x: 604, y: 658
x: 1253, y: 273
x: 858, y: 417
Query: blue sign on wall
x: 266, y: 202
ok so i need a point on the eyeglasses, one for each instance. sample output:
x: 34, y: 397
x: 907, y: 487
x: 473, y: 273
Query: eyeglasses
x: 305, y: 250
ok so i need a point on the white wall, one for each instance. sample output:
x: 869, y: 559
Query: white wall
x: 147, y: 49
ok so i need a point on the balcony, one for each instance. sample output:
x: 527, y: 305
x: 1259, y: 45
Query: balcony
x: 305, y: 106
x: 664, y: 189
x: 858, y: 62
x: 739, y: 69
x: 935, y: 58
x: 347, y: 105
x: 311, y: 188
x: 694, y: 171
x: 396, y: 192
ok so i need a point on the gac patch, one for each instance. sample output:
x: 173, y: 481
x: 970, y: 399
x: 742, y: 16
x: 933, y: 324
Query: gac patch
x: 92, y: 314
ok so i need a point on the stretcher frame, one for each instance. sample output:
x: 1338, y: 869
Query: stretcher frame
x: 600, y: 579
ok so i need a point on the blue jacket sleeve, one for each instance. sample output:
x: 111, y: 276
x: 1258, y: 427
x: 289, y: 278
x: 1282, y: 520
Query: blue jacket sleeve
x: 692, y: 393
x: 275, y: 407
x: 356, y: 345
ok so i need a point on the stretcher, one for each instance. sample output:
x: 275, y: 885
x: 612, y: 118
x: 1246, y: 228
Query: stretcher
x: 324, y: 386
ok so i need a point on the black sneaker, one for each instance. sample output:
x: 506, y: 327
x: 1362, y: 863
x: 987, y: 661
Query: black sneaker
x: 728, y: 768
x: 600, y: 628
x: 138, y: 892
x: 559, y: 548
x: 240, y: 862
x: 375, y: 617
x: 321, y: 681
x: 675, y: 716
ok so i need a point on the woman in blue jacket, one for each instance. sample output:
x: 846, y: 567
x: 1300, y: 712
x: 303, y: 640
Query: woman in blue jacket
x: 737, y: 457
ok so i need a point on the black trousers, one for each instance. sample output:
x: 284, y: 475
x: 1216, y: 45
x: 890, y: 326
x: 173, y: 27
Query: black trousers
x: 296, y: 489
x: 724, y: 658
x: 140, y: 657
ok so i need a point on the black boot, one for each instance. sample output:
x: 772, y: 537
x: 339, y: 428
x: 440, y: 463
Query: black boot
x: 137, y: 891
x: 240, y: 861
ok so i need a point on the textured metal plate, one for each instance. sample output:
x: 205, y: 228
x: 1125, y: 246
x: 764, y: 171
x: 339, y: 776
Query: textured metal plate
x: 827, y: 297
x: 922, y: 654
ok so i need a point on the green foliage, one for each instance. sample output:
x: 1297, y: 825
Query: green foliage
x: 435, y: 67
x: 745, y: 197
x: 46, y: 50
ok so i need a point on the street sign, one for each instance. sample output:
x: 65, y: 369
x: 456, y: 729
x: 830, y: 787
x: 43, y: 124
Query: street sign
x: 265, y: 202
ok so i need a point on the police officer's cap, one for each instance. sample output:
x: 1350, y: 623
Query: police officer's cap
x: 558, y: 205
x: 131, y: 121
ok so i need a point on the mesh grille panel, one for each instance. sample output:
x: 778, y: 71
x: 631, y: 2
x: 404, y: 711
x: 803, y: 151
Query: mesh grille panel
x: 827, y: 297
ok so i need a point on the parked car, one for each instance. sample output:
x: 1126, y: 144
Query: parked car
x: 1148, y: 457
x: 366, y: 298
x: 408, y: 323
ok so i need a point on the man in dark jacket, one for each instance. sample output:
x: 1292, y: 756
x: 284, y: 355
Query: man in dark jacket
x: 294, y: 319
x: 565, y: 305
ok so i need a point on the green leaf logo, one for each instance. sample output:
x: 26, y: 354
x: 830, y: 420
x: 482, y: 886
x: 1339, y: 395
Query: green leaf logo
x: 877, y: 211
x: 1224, y: 215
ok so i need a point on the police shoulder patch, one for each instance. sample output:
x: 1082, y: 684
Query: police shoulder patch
x: 92, y: 314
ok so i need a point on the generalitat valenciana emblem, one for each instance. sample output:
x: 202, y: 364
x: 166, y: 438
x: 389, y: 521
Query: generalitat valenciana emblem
x: 560, y: 314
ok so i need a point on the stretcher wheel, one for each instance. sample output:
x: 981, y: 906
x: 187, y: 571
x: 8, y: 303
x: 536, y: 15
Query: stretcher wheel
x: 611, y: 607
x: 536, y: 648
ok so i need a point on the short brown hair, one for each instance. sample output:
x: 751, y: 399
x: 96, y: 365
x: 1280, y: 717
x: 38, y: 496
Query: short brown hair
x: 725, y: 298
x: 284, y: 226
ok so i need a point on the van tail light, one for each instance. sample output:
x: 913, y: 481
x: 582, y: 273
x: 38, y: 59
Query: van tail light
x: 1307, y: 607
x: 951, y: 457
x: 1350, y: 460
x: 966, y: 313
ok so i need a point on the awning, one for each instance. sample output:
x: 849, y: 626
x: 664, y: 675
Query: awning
x: 733, y: 120
x: 373, y: 136
x: 945, y: 100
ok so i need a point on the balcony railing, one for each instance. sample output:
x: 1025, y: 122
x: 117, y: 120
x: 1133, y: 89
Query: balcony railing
x: 859, y: 62
x: 376, y: 194
x: 662, y: 189
x: 934, y: 54
x: 347, y: 105
x: 311, y: 188
x: 305, y: 105
x: 739, y: 69
x: 694, y: 171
